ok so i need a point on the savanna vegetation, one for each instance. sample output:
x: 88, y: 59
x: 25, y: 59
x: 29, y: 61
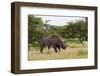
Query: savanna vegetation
x: 74, y: 33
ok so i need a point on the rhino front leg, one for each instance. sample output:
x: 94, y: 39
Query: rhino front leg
x: 55, y: 49
x: 58, y: 47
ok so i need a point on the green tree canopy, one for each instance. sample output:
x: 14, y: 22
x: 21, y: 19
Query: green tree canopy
x: 73, y: 29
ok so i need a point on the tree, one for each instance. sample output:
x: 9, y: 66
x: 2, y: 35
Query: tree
x: 35, y: 25
x: 37, y: 28
x: 77, y: 29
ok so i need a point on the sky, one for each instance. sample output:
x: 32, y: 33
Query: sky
x: 59, y: 20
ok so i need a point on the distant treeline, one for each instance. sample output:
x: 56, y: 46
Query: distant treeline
x: 37, y: 29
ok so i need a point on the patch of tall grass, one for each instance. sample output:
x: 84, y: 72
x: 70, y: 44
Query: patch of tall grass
x: 82, y: 53
x: 69, y: 53
x: 77, y: 44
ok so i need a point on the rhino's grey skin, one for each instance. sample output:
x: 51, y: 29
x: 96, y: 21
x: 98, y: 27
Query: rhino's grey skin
x: 52, y: 41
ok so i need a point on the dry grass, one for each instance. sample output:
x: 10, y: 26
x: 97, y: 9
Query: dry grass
x: 75, y: 50
x: 69, y: 53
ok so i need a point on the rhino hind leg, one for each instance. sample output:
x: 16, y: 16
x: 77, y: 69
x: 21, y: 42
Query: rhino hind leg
x: 42, y: 49
x: 49, y: 46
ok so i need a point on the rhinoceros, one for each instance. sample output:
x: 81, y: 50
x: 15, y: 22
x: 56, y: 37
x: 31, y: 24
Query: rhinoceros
x: 53, y: 41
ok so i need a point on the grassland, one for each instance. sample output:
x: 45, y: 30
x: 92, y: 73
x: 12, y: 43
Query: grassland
x: 73, y: 51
